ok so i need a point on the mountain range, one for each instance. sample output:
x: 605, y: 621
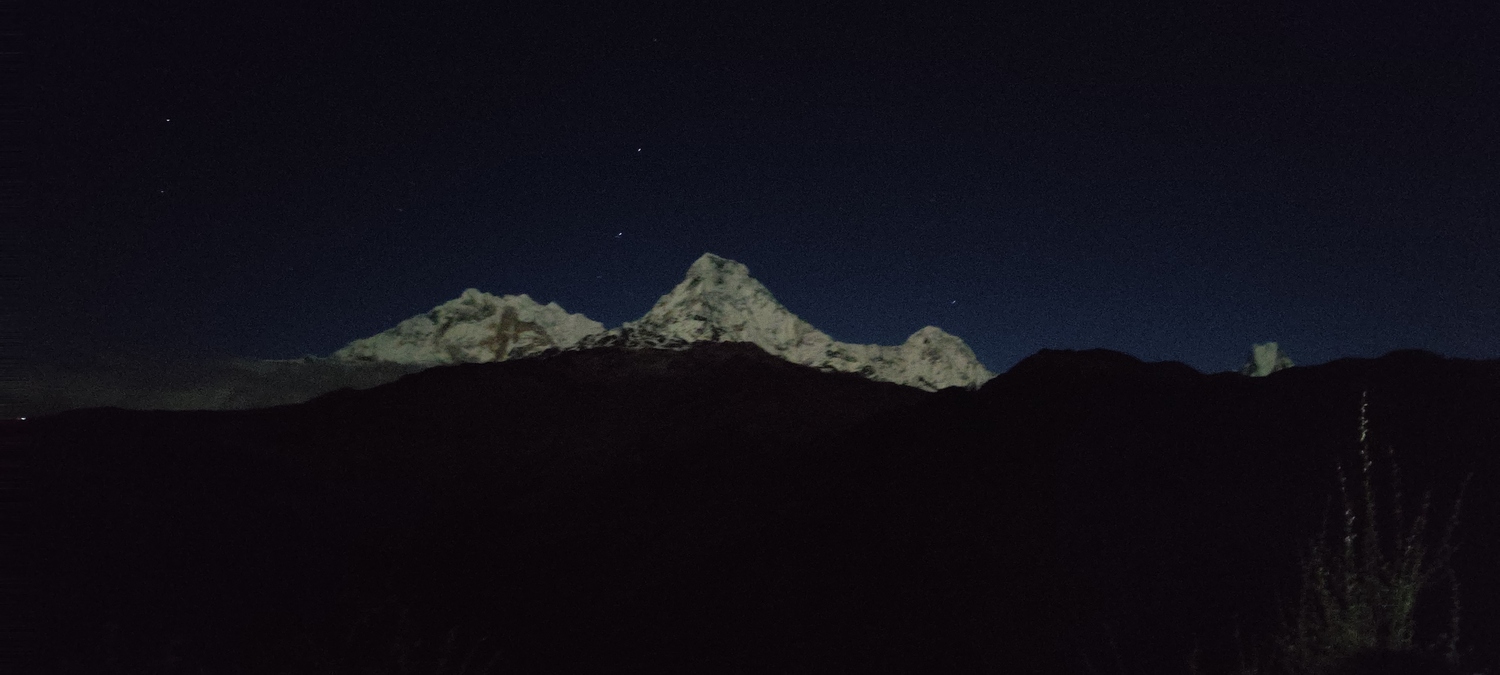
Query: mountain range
x: 717, y: 301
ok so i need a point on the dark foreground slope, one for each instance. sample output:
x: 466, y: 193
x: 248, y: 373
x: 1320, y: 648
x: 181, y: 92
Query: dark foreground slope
x: 720, y: 510
x: 1185, y: 500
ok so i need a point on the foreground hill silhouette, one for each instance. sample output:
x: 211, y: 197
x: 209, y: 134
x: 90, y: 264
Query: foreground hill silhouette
x: 718, y: 509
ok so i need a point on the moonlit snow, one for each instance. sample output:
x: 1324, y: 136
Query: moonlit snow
x: 1265, y: 358
x: 475, y: 327
x: 718, y: 301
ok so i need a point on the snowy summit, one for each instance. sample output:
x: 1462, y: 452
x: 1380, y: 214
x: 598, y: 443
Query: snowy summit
x: 718, y: 301
x: 475, y: 327
x: 1265, y: 358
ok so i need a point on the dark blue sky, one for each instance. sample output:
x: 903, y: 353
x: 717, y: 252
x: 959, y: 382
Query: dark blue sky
x: 1172, y: 181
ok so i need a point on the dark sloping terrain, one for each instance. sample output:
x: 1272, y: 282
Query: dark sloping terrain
x: 1185, y: 500
x: 720, y: 510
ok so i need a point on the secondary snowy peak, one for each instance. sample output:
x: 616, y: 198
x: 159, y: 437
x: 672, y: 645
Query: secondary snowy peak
x: 475, y: 327
x: 718, y: 301
x: 933, y: 359
x: 1265, y: 358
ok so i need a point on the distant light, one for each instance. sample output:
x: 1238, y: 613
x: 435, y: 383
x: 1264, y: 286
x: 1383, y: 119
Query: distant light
x: 169, y: 119
x: 23, y: 419
x: 637, y: 149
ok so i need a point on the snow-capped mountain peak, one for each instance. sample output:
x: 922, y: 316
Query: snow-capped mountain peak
x: 717, y: 301
x: 712, y: 267
x: 475, y: 327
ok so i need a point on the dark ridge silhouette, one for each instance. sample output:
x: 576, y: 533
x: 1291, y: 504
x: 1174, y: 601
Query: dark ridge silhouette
x: 718, y: 509
x: 1078, y: 363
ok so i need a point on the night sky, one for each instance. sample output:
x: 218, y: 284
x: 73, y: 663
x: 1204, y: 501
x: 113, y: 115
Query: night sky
x: 1175, y: 182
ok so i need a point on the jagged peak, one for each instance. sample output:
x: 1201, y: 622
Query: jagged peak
x: 475, y: 327
x: 714, y: 274
x: 716, y: 301
x: 472, y: 296
x: 716, y: 289
x: 1265, y: 358
x: 930, y: 334
x: 709, y: 265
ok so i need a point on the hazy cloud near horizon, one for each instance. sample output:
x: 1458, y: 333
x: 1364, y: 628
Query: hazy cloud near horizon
x: 227, y: 384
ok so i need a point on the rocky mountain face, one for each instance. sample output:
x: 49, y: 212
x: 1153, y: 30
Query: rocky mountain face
x: 475, y: 327
x: 718, y: 301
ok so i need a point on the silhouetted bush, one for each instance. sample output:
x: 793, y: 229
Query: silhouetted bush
x: 1357, y: 608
